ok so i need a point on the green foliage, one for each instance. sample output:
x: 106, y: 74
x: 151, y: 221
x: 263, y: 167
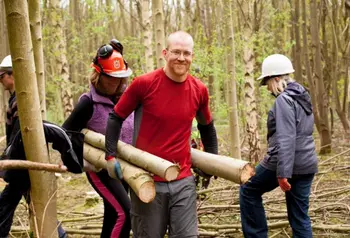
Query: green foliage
x: 134, y: 54
x: 91, y: 202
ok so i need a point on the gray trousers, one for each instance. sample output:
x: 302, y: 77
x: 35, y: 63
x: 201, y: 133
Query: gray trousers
x: 174, y: 208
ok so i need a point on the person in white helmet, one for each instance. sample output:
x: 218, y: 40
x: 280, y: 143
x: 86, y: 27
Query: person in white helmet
x: 290, y: 161
x: 18, y: 182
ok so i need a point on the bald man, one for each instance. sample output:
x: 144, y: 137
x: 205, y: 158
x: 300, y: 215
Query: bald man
x: 165, y: 103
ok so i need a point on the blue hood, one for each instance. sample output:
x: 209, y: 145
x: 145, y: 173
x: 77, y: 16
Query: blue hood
x: 299, y: 94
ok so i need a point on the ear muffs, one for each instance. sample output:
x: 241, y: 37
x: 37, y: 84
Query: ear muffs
x: 105, y: 51
x: 117, y: 45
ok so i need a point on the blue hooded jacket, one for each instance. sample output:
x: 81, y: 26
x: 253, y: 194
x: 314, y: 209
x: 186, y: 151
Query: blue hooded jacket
x: 290, y: 124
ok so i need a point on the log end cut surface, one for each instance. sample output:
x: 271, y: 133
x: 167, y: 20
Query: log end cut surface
x: 147, y: 192
x: 172, y: 172
x: 247, y: 172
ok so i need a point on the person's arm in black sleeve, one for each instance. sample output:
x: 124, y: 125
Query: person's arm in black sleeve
x: 80, y: 116
x: 210, y: 143
x: 76, y: 121
x: 114, y: 125
x: 209, y: 137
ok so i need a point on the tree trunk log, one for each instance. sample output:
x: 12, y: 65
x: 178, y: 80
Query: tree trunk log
x: 139, y: 180
x: 235, y: 170
x: 142, y: 159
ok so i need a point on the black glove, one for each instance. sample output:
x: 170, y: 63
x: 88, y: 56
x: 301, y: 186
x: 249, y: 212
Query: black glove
x: 202, y: 177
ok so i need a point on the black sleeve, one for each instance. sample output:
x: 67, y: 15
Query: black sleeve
x: 80, y: 116
x: 12, y: 130
x: 208, y: 137
x: 68, y: 143
x: 114, y: 125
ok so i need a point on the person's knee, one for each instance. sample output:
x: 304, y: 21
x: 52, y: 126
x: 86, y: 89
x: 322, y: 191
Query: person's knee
x: 246, y: 193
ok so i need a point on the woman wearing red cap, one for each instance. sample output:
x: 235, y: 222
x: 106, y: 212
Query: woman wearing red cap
x: 107, y: 83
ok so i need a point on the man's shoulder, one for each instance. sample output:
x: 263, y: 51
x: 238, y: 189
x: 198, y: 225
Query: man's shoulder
x: 196, y: 82
x: 151, y: 76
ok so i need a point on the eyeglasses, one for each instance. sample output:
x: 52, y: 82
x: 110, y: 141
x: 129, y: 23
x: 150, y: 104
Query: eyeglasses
x: 178, y: 53
x: 2, y: 76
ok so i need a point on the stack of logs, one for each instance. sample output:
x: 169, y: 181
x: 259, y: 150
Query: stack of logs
x: 138, y: 166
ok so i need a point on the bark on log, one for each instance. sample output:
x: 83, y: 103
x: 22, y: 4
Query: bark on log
x: 24, y: 164
x: 139, y: 180
x: 142, y: 159
x: 235, y: 170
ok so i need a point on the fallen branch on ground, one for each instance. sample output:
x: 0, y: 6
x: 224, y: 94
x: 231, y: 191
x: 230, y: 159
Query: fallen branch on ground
x: 215, y: 189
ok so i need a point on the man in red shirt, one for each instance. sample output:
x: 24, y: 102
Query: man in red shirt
x: 165, y: 102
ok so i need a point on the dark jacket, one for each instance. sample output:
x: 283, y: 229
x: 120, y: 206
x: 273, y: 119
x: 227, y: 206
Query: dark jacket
x: 11, y: 116
x: 68, y: 143
x: 291, y: 147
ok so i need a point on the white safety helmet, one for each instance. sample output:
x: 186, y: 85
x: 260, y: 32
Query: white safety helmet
x: 275, y: 65
x: 6, y: 62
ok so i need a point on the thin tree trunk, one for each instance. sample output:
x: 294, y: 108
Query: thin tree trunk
x: 111, y: 22
x: 233, y: 109
x: 35, y: 28
x: 335, y: 69
x: 178, y: 16
x: 297, y: 60
x: 322, y: 98
x: 132, y: 25
x: 147, y: 35
x: 308, y: 65
x: 188, y: 16
x: 59, y: 47
x: 122, y: 29
x: 252, y: 129
x: 157, y: 12
x: 209, y: 35
x: 4, y: 51
x: 278, y: 26
x: 43, y: 185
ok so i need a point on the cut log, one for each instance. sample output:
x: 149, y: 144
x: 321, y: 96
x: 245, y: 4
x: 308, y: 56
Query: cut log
x: 139, y: 180
x: 154, y: 164
x: 24, y: 164
x: 235, y: 170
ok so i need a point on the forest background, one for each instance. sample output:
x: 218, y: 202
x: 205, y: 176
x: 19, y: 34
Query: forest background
x: 232, y: 37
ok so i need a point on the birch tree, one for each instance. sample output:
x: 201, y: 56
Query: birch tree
x: 59, y: 54
x: 4, y: 51
x: 235, y: 144
x: 249, y: 86
x: 35, y: 28
x: 321, y: 95
x: 147, y: 35
x: 43, y: 184
x: 158, y: 25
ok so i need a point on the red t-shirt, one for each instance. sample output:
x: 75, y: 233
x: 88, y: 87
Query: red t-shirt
x: 164, y: 113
